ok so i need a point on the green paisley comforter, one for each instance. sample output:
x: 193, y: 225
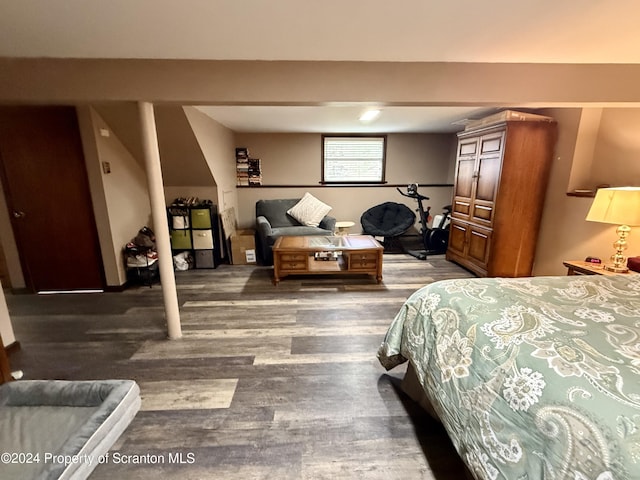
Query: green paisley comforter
x: 533, y: 378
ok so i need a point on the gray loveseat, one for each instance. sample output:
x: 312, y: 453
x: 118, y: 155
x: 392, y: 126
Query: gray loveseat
x: 272, y: 221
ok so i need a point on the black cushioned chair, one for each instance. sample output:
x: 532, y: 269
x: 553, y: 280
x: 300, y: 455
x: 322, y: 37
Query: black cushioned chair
x: 388, y: 220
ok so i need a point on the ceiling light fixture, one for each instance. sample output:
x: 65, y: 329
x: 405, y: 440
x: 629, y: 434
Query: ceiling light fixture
x: 369, y: 116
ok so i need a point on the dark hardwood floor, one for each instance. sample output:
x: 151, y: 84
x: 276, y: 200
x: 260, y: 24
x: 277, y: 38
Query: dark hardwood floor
x: 267, y: 382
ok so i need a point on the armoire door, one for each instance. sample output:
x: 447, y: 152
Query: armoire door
x: 46, y: 187
x: 464, y: 179
x: 487, y: 177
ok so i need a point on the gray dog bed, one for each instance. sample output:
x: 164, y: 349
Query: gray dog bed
x: 54, y: 429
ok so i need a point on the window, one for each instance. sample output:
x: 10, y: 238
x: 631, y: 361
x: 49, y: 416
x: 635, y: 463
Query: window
x: 352, y: 159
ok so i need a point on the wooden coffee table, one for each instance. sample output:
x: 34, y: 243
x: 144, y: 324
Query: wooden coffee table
x: 324, y: 255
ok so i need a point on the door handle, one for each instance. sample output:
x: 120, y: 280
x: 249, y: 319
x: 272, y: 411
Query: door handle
x: 18, y: 214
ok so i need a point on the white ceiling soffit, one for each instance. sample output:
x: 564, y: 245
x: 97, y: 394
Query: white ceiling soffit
x: 566, y: 31
x: 342, y: 119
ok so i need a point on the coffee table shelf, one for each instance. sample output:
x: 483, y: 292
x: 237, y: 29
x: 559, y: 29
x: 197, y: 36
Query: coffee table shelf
x: 355, y: 254
x: 329, y: 266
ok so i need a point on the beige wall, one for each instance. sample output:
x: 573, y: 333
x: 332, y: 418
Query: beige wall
x: 291, y: 166
x: 120, y: 198
x: 617, y: 152
x: 218, y: 148
x: 186, y: 191
x: 6, y: 327
x: 564, y: 233
x: 586, y: 137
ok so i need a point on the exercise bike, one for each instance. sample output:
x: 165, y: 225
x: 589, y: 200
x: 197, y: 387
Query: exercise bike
x: 436, y: 238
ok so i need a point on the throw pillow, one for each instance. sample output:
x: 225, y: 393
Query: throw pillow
x: 309, y: 210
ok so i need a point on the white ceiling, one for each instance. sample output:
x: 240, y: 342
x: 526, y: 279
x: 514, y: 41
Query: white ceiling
x: 512, y: 31
x: 343, y: 119
x: 566, y: 31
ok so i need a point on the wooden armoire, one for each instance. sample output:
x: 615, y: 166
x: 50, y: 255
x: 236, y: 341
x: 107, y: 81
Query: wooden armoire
x: 502, y: 170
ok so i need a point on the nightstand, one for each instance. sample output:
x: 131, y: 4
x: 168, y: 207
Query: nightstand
x: 576, y: 267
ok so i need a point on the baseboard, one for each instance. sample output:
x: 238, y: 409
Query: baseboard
x: 116, y: 288
x: 12, y: 348
x: 21, y: 291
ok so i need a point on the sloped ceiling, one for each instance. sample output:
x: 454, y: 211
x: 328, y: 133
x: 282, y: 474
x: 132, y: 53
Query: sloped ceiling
x: 183, y: 162
x: 123, y: 119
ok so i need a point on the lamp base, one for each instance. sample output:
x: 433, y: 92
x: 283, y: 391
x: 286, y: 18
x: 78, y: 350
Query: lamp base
x: 613, y: 268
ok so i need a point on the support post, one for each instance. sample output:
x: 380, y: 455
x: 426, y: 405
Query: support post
x: 159, y: 216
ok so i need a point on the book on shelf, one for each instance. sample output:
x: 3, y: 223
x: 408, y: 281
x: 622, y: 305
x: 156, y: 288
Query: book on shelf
x: 248, y: 169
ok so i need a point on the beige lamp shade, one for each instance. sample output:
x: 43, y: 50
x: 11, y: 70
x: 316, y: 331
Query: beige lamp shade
x: 618, y: 205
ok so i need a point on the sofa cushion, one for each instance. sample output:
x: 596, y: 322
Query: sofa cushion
x: 302, y: 230
x: 275, y: 212
x: 309, y: 210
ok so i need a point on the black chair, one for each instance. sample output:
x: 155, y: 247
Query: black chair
x: 388, y: 220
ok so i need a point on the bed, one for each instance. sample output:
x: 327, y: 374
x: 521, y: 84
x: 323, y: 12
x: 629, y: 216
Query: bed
x: 58, y: 429
x: 533, y: 378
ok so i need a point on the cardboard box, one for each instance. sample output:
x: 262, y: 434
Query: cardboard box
x: 243, y: 247
x: 241, y: 242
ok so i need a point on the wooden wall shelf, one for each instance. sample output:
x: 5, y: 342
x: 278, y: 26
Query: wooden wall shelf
x: 581, y: 193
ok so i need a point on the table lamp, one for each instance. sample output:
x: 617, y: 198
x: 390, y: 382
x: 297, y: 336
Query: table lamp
x: 619, y: 206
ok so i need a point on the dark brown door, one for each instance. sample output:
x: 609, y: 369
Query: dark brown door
x: 46, y: 185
